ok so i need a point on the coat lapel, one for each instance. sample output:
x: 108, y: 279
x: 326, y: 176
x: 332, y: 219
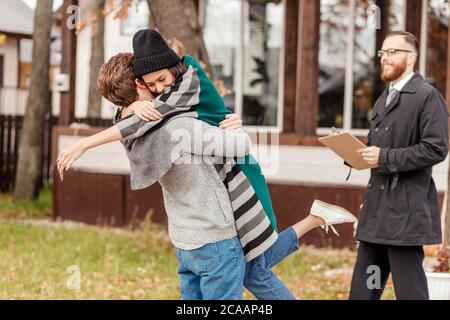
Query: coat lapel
x: 411, y: 87
x: 379, y: 111
x: 393, y: 103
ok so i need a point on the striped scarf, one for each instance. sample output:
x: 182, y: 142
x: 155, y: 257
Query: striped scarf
x: 254, y: 229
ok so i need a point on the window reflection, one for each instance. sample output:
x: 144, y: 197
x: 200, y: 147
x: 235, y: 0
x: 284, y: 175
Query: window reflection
x: 221, y: 32
x: 437, y: 42
x: 263, y: 40
x: 138, y: 18
x: 366, y: 66
x: 334, y: 41
x: 245, y: 55
x: 334, y: 20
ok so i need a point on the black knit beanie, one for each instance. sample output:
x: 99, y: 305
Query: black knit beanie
x: 151, y: 52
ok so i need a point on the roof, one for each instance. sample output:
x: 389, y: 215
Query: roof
x: 16, y: 17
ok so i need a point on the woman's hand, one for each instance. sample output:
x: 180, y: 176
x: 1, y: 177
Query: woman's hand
x: 145, y: 110
x: 68, y: 156
x: 232, y: 122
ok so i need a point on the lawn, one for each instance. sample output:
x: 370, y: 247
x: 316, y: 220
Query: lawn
x: 24, y: 209
x: 40, y: 259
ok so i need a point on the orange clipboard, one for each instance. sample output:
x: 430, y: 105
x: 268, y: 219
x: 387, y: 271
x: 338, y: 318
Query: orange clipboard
x: 345, y: 145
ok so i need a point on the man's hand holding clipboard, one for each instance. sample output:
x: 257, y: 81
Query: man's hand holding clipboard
x: 353, y: 151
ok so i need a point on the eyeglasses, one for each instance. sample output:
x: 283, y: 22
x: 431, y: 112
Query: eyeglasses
x: 391, y: 52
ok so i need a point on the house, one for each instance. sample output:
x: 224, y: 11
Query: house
x: 118, y: 38
x: 296, y: 68
x: 16, y: 30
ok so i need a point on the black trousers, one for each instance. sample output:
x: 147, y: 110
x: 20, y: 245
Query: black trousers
x: 375, y: 262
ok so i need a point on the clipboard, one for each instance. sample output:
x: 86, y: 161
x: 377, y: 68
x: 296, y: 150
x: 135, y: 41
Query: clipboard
x: 345, y: 145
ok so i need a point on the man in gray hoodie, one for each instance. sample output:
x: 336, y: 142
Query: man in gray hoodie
x: 181, y: 152
x: 201, y: 219
x: 201, y: 223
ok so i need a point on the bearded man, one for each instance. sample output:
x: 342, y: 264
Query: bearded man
x: 408, y: 136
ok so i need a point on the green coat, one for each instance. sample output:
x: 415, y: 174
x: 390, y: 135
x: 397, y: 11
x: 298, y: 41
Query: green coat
x: 212, y: 110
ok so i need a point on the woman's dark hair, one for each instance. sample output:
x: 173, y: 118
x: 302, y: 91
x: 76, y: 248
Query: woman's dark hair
x: 177, y: 70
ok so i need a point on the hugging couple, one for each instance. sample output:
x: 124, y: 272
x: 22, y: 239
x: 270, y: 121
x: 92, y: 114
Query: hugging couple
x: 177, y: 131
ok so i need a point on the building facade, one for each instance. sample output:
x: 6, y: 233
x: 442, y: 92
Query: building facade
x: 296, y: 68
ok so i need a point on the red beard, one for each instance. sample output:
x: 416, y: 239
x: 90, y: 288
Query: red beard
x: 395, y: 73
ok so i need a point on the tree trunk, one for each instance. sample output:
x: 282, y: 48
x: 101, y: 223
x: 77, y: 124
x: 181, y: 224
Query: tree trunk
x: 29, y: 166
x: 178, y: 19
x: 97, y: 58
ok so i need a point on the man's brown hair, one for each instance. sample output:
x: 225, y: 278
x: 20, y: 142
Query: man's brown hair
x: 115, y: 80
x: 409, y: 38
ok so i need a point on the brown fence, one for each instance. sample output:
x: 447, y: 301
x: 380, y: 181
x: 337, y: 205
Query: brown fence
x: 10, y: 128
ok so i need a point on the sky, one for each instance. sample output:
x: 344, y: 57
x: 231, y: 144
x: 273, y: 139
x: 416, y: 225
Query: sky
x: 32, y: 3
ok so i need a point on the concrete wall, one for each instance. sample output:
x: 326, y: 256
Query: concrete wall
x: 10, y: 52
x: 12, y: 100
x: 289, y: 165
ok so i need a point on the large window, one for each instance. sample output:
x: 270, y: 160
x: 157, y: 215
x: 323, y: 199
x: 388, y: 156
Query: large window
x: 438, y: 13
x: 138, y: 18
x: 334, y: 26
x: 244, y: 39
x: 349, y: 81
x: 367, y: 85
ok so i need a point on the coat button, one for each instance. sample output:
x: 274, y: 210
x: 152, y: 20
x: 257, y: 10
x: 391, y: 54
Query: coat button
x: 387, y: 128
x: 381, y: 188
x: 369, y: 185
x: 377, y: 129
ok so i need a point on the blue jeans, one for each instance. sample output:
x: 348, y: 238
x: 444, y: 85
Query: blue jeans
x: 260, y: 279
x: 212, y: 272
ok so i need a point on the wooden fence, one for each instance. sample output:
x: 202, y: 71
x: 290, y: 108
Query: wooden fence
x: 10, y: 129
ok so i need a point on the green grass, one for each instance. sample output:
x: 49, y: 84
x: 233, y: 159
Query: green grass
x: 124, y: 264
x: 321, y: 274
x: 36, y: 254
x: 39, y: 208
x: 113, y: 264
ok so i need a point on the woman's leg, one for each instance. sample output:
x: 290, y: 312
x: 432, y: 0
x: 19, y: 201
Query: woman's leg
x: 288, y: 240
x: 263, y: 283
x: 259, y: 279
x: 306, y: 225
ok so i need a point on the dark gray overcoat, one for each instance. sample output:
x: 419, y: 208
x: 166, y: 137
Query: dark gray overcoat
x: 401, y: 205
